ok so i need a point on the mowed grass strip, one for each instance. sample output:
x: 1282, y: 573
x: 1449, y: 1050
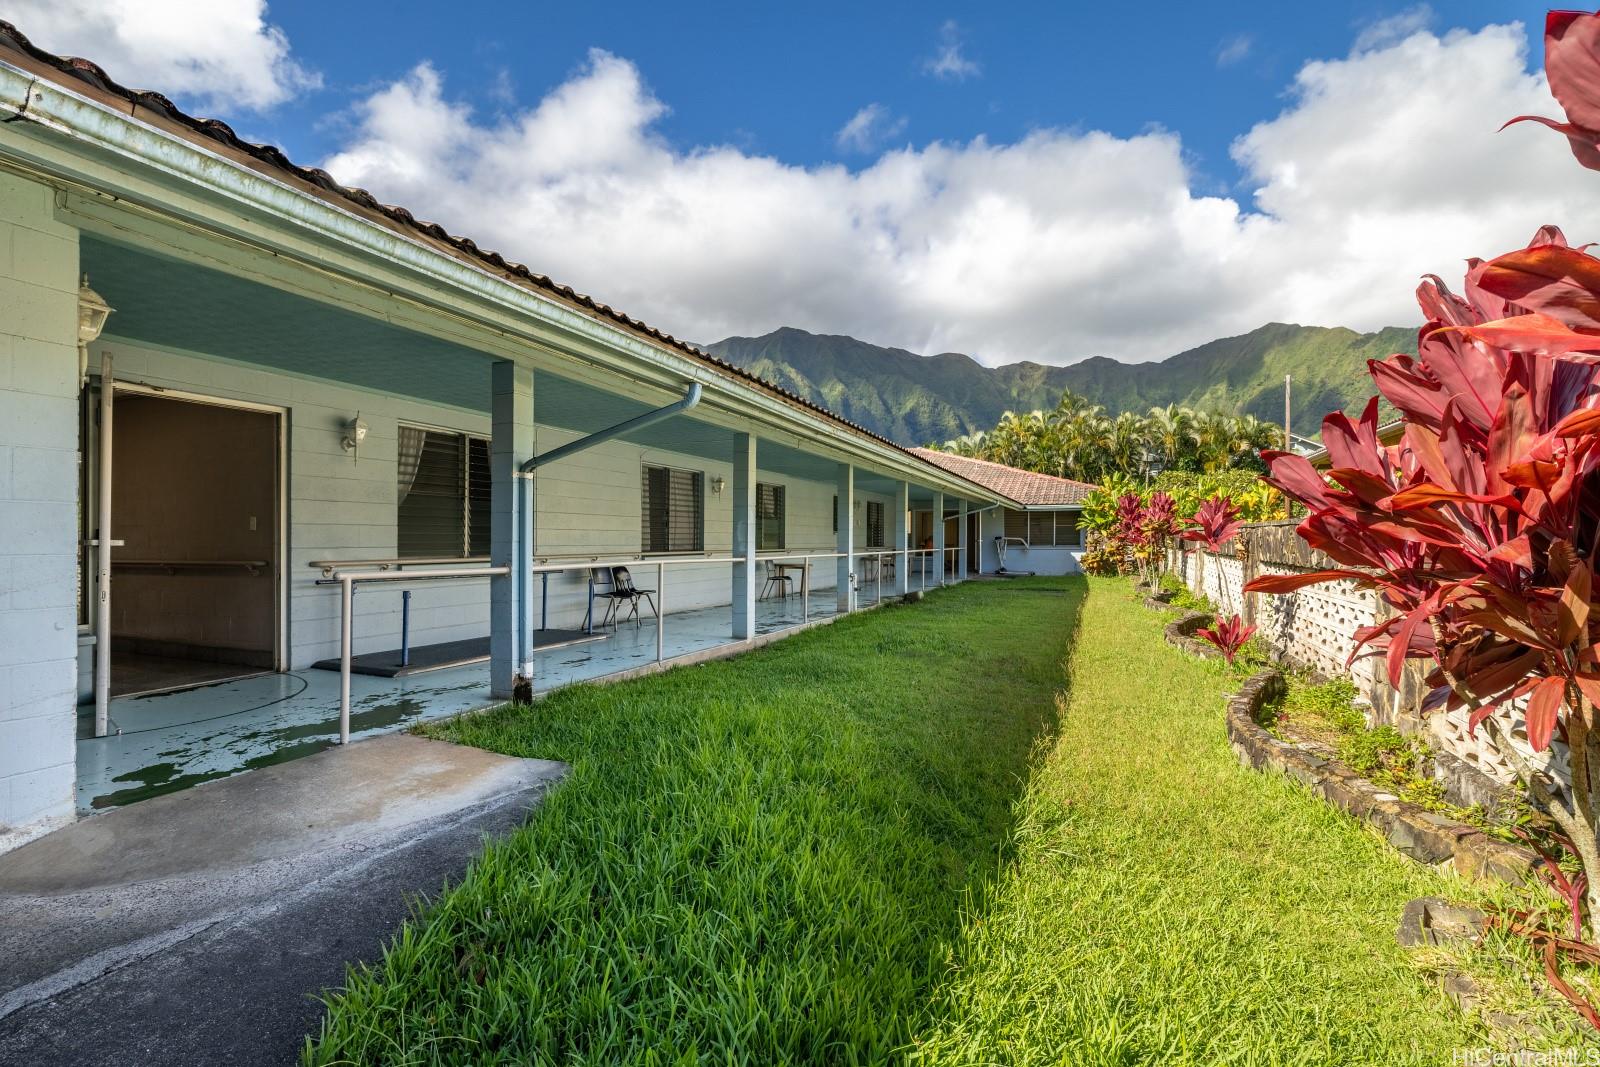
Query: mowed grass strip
x: 756, y: 861
x: 1165, y: 906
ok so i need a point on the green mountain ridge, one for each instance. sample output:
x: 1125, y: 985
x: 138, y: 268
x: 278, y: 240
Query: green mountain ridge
x: 915, y: 399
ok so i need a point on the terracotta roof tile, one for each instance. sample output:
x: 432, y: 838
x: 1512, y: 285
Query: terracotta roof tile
x: 1025, y: 487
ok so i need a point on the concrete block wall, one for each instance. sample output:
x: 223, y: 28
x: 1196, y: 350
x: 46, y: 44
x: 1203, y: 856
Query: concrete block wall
x: 38, y: 511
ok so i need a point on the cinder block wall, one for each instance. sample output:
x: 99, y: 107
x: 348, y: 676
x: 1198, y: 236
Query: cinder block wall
x: 38, y: 511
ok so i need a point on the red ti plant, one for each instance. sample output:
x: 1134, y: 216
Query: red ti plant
x: 1480, y: 528
x: 1157, y: 521
x: 1127, y: 532
x: 1570, y: 890
x: 1229, y: 635
x: 1215, y: 521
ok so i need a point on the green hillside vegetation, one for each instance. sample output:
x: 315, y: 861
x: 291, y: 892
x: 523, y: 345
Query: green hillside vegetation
x: 917, y: 399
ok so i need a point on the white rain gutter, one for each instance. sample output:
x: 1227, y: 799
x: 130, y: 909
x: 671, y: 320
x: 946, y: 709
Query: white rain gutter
x: 526, y: 476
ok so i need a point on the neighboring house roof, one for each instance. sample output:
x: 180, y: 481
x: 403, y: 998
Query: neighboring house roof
x: 1027, y: 488
x: 79, y: 74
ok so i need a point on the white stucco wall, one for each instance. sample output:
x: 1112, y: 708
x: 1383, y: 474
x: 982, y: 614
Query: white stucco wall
x: 38, y: 510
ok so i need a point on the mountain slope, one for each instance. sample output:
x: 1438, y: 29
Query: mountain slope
x: 919, y: 399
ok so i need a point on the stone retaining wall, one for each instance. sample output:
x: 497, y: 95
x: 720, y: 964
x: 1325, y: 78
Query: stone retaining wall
x: 1312, y: 629
x: 1421, y: 834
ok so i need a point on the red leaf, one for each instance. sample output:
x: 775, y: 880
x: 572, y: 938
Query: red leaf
x: 1543, y: 706
x: 1580, y: 423
x: 1288, y: 583
x: 1531, y: 333
x: 1560, y: 282
x: 1572, y: 64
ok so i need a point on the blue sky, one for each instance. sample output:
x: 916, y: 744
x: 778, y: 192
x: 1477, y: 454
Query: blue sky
x: 783, y: 79
x: 1018, y: 182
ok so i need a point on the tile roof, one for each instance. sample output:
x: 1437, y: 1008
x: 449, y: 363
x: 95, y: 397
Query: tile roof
x: 216, y: 135
x: 1025, y: 487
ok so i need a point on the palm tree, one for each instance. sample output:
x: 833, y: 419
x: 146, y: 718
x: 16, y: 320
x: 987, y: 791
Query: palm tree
x: 1169, y: 432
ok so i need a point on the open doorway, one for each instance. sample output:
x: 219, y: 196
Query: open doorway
x: 974, y: 546
x: 195, y: 578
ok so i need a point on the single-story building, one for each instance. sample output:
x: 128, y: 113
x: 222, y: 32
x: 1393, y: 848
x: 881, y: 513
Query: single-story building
x: 1036, y: 528
x: 281, y: 465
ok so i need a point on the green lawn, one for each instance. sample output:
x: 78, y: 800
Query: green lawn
x: 1002, y: 826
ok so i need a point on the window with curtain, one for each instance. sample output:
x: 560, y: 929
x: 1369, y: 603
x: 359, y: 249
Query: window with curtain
x: 672, y: 510
x: 875, y: 537
x: 442, y: 488
x: 769, y: 517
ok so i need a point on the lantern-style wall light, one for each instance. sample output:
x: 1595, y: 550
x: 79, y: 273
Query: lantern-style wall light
x: 355, y: 431
x: 92, y: 314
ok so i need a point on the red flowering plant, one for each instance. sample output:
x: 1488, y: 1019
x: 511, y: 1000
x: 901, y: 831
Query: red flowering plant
x: 1229, y: 635
x: 1481, y: 526
x: 1215, y: 521
x: 1157, y: 521
x: 1127, y: 531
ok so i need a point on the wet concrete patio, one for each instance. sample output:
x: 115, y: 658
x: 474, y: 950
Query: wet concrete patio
x: 199, y: 927
x: 165, y: 742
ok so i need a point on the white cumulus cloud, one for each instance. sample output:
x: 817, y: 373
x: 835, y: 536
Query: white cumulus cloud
x: 213, y: 54
x: 1382, y: 166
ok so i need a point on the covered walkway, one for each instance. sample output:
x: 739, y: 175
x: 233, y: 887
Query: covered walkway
x: 170, y: 741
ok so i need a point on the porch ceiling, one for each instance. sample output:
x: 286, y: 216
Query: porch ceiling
x: 172, y: 303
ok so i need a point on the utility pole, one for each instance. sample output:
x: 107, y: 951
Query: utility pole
x: 1288, y: 437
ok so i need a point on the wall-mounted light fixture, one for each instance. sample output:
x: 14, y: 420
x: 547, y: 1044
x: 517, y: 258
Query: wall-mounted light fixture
x: 716, y: 485
x: 92, y: 314
x: 355, y: 431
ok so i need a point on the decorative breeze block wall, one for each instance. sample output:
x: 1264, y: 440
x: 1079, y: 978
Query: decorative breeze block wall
x: 1313, y: 628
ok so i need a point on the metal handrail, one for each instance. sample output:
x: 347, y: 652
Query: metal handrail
x: 347, y: 582
x: 327, y: 566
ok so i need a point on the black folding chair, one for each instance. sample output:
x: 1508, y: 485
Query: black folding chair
x: 777, y: 578
x: 623, y: 591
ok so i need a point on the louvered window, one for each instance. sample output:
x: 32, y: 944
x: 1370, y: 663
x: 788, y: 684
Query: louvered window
x: 1042, y: 528
x: 875, y: 524
x: 1045, y: 529
x: 769, y: 517
x: 1067, y: 529
x: 1017, y: 524
x: 672, y: 511
x: 443, y: 493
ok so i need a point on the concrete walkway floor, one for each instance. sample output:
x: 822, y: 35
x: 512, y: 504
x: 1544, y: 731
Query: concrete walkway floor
x: 197, y: 928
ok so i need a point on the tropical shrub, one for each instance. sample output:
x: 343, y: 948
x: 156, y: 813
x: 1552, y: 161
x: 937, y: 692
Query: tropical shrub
x: 1255, y: 500
x: 1229, y: 635
x: 1480, y: 527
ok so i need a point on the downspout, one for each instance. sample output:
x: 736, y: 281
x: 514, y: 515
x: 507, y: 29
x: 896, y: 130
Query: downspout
x: 526, y: 475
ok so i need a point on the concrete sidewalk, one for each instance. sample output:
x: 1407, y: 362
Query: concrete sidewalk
x: 197, y: 928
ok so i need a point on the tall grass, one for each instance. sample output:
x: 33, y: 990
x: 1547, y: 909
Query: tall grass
x: 755, y: 861
x: 1165, y: 906
x: 875, y: 842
